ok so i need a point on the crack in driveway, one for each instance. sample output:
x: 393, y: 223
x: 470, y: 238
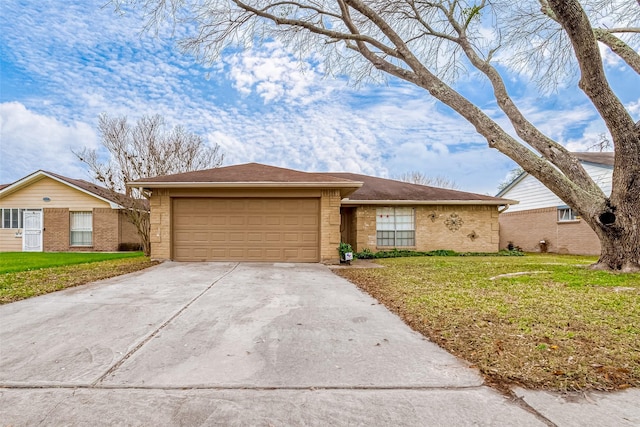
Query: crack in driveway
x: 123, y: 359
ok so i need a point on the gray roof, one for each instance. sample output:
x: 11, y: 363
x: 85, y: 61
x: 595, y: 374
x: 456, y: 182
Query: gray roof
x: 364, y: 188
x: 375, y: 188
x: 249, y: 172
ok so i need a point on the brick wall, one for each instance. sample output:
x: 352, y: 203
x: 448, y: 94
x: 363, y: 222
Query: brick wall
x: 105, y: 229
x: 55, y: 237
x: 56, y: 230
x: 329, y: 226
x: 459, y: 228
x: 527, y: 228
x: 128, y: 233
x: 160, y: 233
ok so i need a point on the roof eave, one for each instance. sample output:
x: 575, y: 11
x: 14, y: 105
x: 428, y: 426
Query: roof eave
x: 430, y: 202
x: 244, y: 184
x: 346, y: 188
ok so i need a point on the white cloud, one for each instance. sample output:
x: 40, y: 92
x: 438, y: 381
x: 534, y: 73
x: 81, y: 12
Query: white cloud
x: 276, y: 75
x: 31, y: 141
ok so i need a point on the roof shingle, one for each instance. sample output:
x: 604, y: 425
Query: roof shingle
x: 249, y: 172
x: 375, y: 188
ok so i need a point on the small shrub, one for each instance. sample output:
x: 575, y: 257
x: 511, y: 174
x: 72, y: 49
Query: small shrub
x: 511, y: 247
x: 343, y: 249
x: 129, y: 247
x: 400, y: 253
x: 365, y: 254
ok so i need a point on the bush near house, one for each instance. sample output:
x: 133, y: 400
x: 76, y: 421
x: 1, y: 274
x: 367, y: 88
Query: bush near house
x: 400, y: 253
x: 540, y: 321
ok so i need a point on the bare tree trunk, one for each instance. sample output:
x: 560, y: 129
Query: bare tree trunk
x: 620, y: 242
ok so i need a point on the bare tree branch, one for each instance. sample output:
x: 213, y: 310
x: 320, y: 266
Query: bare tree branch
x: 143, y: 150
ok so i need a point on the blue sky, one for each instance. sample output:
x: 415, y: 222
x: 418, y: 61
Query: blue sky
x: 61, y: 66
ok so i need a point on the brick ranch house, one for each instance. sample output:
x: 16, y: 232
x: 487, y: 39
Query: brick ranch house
x: 255, y: 212
x: 48, y: 212
x: 542, y: 217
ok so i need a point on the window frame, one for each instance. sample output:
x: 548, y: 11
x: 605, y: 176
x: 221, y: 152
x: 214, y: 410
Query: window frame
x: 15, y: 217
x: 83, y: 242
x: 400, y: 231
x: 573, y: 216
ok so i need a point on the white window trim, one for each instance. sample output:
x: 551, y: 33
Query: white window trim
x: 80, y: 229
x: 12, y: 211
x: 573, y: 216
x: 395, y: 227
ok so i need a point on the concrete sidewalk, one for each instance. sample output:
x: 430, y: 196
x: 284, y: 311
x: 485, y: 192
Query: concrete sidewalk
x: 247, y: 344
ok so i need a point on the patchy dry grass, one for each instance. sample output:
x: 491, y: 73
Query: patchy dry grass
x: 19, y: 285
x: 558, y: 325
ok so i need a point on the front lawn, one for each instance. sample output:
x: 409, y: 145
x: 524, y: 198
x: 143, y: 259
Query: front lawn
x: 22, y: 261
x: 27, y: 274
x: 541, y: 321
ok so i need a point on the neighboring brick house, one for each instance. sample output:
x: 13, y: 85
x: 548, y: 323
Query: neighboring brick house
x: 48, y: 212
x: 543, y: 222
x: 255, y: 212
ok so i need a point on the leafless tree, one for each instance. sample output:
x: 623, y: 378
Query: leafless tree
x: 603, y: 144
x: 429, y: 43
x: 416, y: 177
x: 146, y: 149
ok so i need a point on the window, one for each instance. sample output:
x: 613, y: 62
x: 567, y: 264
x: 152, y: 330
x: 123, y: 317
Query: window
x: 395, y: 227
x: 81, y: 228
x: 11, y: 218
x: 567, y: 214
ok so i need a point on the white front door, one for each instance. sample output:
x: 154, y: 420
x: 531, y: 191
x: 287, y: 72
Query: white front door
x: 32, y: 231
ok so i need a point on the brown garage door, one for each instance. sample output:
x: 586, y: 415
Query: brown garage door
x: 212, y: 229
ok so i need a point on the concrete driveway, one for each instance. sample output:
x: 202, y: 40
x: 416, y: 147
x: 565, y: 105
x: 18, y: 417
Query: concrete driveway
x: 231, y: 344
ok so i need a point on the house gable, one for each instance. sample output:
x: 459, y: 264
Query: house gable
x: 59, y: 195
x: 90, y: 189
x: 532, y: 194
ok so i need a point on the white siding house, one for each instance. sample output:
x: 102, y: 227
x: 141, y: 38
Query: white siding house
x: 541, y: 216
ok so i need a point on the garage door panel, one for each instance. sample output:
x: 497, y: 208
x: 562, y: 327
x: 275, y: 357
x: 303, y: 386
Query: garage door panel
x: 292, y: 237
x: 310, y: 238
x: 310, y: 220
x: 273, y: 221
x: 216, y: 253
x: 216, y: 220
x: 218, y: 236
x: 255, y: 220
x: 246, y: 229
x: 237, y: 237
x: 237, y: 220
x: 309, y: 252
x: 272, y: 237
x: 256, y: 237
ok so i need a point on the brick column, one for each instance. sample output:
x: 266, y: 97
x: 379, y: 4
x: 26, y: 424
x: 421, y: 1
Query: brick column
x: 330, y: 226
x: 160, y: 233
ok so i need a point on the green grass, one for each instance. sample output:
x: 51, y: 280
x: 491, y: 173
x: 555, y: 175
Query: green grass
x: 555, y: 325
x: 25, y: 275
x: 25, y: 261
